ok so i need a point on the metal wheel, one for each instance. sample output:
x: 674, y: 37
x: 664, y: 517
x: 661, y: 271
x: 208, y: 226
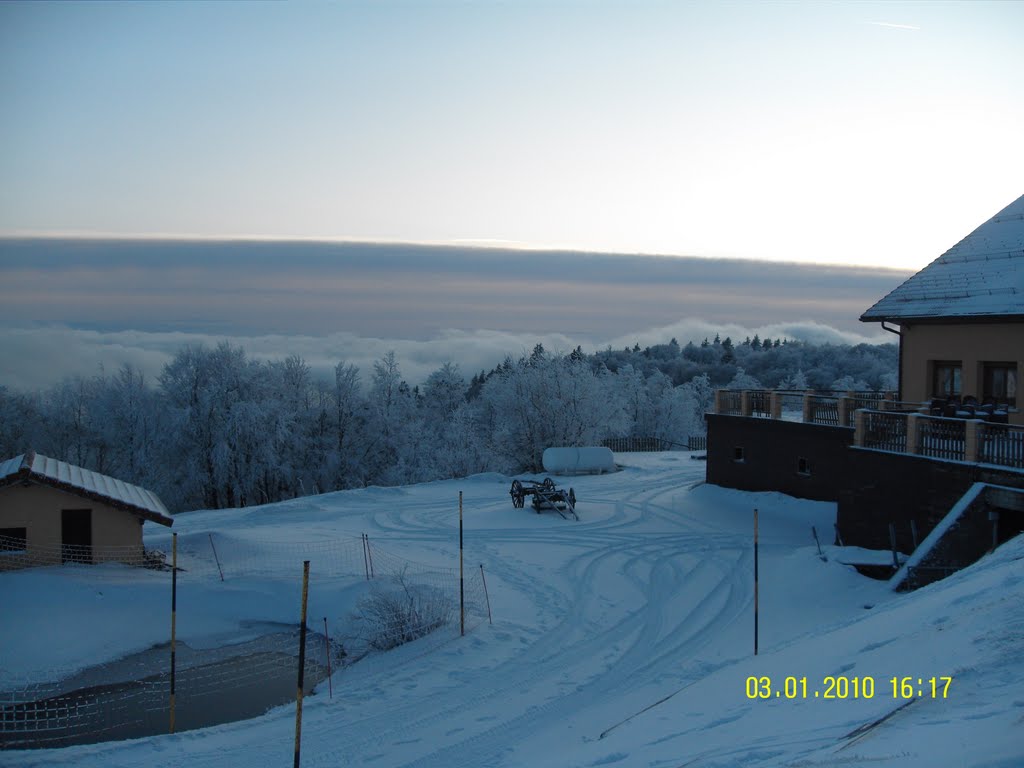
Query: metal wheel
x: 518, y: 497
x: 549, y: 484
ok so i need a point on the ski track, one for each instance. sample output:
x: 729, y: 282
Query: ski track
x: 639, y: 540
x: 637, y: 644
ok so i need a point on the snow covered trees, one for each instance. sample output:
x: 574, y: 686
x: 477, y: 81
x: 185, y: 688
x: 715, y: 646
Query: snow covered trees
x: 545, y: 401
x: 221, y: 429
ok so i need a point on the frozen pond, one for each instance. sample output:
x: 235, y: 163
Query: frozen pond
x: 130, y: 697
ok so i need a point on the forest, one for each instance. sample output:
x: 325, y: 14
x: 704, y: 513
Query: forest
x: 219, y: 429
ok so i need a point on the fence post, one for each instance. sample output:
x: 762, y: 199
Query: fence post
x: 174, y: 611
x: 302, y: 662
x: 487, y: 597
x: 858, y: 427
x: 718, y: 401
x: 912, y: 429
x: 844, y: 410
x: 746, y: 403
x: 775, y: 404
x: 462, y: 581
x: 892, y: 541
x: 755, y: 582
x: 327, y: 642
x: 215, y: 557
x: 973, y: 430
x: 808, y: 414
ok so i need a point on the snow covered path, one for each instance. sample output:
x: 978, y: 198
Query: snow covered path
x: 648, y: 598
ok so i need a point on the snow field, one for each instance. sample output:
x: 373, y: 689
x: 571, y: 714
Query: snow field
x: 648, y: 598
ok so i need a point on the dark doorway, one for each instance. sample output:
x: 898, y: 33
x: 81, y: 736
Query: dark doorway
x: 76, y: 535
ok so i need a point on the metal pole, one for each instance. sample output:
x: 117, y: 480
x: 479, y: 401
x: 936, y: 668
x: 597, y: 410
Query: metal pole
x: 219, y: 570
x: 755, y: 582
x: 327, y: 642
x: 892, y: 541
x: 913, y: 532
x: 174, y: 611
x: 486, y: 596
x: 302, y: 662
x: 462, y: 584
x: 366, y: 561
x: 369, y: 553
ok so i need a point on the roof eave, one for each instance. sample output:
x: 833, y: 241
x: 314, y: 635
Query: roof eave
x: 976, y: 318
x: 27, y: 475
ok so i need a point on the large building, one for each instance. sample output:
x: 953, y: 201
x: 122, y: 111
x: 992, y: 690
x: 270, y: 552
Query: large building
x: 945, y: 454
x: 961, y: 321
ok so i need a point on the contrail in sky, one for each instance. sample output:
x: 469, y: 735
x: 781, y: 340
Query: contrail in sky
x: 893, y: 26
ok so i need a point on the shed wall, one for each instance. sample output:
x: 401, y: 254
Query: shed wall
x: 37, y: 508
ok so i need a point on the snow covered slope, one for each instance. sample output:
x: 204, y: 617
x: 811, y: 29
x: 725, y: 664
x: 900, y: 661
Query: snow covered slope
x: 648, y: 599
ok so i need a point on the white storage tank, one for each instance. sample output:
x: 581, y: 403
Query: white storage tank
x: 573, y: 461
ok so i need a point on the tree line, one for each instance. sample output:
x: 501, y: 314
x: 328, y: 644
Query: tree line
x: 219, y: 429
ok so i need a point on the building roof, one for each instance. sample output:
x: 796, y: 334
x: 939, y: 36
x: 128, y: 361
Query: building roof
x: 982, y: 276
x: 33, y: 468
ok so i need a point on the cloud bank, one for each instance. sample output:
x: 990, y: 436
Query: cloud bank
x: 73, y: 306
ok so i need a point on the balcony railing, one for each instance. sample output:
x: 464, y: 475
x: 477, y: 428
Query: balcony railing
x: 971, y: 440
x: 942, y: 438
x: 883, y: 431
x: 880, y: 422
x: 1002, y: 444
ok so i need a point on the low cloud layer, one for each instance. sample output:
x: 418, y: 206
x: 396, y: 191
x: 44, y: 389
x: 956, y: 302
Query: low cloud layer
x: 42, y: 356
x: 71, y: 307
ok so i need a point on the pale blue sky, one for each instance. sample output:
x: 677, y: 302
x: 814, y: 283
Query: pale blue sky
x: 864, y: 133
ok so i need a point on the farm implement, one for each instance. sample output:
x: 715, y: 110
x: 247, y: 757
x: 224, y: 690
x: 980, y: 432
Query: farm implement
x: 545, y: 496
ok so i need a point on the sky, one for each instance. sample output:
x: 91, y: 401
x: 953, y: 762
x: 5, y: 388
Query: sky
x: 519, y: 140
x: 860, y: 133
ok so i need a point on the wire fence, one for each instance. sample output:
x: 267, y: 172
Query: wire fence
x: 402, y: 601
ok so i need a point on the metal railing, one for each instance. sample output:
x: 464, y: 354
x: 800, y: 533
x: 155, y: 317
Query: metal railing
x: 730, y: 401
x: 884, y: 431
x: 1002, y: 444
x: 942, y: 438
x: 823, y: 410
x: 760, y: 403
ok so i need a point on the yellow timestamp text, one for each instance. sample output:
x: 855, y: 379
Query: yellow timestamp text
x: 843, y: 687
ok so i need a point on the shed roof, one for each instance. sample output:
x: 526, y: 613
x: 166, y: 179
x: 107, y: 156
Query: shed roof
x: 32, y: 467
x: 982, y: 276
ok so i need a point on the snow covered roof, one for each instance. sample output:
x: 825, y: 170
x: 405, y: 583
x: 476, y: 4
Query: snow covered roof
x: 982, y: 276
x: 32, y: 467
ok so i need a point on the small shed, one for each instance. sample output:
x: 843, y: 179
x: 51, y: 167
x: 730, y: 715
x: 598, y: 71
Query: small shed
x: 52, y: 512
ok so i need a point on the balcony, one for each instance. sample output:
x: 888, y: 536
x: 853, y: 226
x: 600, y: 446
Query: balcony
x: 884, y: 424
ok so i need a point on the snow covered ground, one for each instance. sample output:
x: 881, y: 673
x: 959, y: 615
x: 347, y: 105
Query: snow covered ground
x: 625, y: 639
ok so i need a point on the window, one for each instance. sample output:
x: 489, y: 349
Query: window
x: 12, y: 541
x: 999, y: 382
x: 946, y: 378
x: 738, y: 455
x: 803, y: 467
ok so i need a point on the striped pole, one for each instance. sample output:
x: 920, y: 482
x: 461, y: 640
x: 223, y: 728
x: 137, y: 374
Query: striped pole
x: 302, y: 661
x: 174, y: 612
x: 462, y: 584
x: 327, y: 643
x: 755, y: 581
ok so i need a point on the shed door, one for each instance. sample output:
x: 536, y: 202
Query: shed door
x: 76, y: 535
